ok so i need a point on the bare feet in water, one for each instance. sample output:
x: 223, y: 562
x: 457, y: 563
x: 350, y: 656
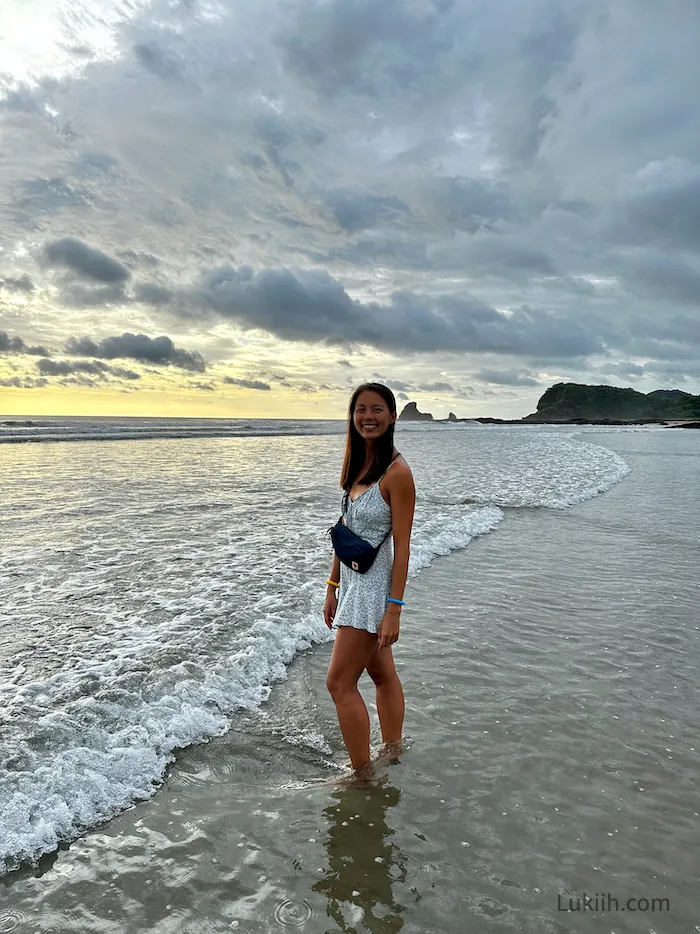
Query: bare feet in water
x: 390, y: 752
x: 366, y: 775
x: 358, y: 778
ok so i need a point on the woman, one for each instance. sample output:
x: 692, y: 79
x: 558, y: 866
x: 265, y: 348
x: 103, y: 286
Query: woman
x: 379, y: 496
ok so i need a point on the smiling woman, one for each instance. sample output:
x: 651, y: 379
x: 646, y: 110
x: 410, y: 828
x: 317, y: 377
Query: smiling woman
x: 379, y: 499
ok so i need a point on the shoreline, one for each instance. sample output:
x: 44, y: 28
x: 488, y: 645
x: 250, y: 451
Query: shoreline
x: 485, y: 420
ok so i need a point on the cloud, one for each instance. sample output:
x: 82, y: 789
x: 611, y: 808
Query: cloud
x: 17, y: 283
x: 505, y: 255
x: 159, y: 350
x: 84, y: 260
x: 509, y: 182
x: 94, y: 367
x: 27, y: 382
x: 78, y: 295
x: 310, y: 305
x: 152, y: 294
x: 247, y: 383
x: 16, y: 345
x: 505, y: 377
x: 435, y: 387
x: 623, y: 369
x: 202, y: 387
x: 358, y: 210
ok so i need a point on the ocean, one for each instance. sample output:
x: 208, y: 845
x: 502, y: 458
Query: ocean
x: 163, y: 713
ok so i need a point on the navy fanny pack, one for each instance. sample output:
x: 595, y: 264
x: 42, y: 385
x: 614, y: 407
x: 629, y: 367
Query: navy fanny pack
x: 355, y: 552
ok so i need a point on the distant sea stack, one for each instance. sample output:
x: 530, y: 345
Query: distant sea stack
x: 410, y: 413
x: 575, y: 400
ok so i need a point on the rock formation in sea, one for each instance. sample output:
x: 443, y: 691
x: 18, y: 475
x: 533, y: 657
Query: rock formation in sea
x: 576, y: 400
x: 410, y: 413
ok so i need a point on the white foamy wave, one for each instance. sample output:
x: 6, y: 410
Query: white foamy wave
x: 97, y: 736
x: 108, y: 746
x: 449, y: 531
x: 517, y: 468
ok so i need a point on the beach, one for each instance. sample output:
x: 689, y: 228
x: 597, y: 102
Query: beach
x: 548, y: 653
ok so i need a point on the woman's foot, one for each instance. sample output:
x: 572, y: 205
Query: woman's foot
x: 358, y: 778
x: 390, y: 752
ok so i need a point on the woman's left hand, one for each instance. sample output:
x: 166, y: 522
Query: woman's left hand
x: 389, y: 629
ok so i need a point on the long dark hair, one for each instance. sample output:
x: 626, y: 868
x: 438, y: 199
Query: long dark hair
x: 355, y: 450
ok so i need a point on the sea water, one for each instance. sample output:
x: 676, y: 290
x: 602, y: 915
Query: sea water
x: 157, y: 592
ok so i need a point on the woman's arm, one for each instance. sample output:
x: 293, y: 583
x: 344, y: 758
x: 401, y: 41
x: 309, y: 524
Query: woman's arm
x: 403, y: 503
x: 334, y: 575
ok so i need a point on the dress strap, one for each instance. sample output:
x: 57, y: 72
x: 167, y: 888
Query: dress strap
x: 398, y: 454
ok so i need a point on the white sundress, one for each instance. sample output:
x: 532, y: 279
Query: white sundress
x: 362, y: 597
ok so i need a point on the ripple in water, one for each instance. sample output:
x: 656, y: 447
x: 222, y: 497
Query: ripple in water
x: 11, y: 919
x: 292, y: 914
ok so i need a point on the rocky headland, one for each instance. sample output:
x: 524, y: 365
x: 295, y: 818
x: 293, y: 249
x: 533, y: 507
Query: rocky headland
x: 579, y: 404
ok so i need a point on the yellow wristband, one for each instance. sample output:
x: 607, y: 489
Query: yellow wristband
x: 329, y: 581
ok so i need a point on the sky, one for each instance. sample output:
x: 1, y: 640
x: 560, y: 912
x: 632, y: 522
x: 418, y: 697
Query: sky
x: 246, y: 208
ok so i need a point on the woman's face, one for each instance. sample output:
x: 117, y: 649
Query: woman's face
x: 371, y: 416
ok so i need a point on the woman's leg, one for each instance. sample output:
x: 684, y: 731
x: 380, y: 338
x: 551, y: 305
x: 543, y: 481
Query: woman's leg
x: 390, y: 700
x: 351, y: 653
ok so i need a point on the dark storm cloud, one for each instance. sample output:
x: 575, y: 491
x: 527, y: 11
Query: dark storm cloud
x: 94, y: 367
x: 160, y: 350
x: 64, y: 367
x: 124, y: 374
x: 312, y: 306
x: 85, y: 260
x: 27, y: 382
x: 16, y: 345
x: 246, y: 383
x: 290, y: 305
x: 17, y: 283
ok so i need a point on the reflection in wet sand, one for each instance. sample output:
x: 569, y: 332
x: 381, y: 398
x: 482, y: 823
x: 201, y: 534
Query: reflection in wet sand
x: 363, y: 862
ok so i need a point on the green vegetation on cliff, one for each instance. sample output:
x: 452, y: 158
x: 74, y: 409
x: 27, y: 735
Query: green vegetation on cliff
x: 574, y: 400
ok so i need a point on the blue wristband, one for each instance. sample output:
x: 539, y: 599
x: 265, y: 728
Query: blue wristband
x: 394, y: 600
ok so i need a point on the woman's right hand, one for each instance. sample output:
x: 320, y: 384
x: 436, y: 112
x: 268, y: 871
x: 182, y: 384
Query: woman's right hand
x: 330, y: 607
